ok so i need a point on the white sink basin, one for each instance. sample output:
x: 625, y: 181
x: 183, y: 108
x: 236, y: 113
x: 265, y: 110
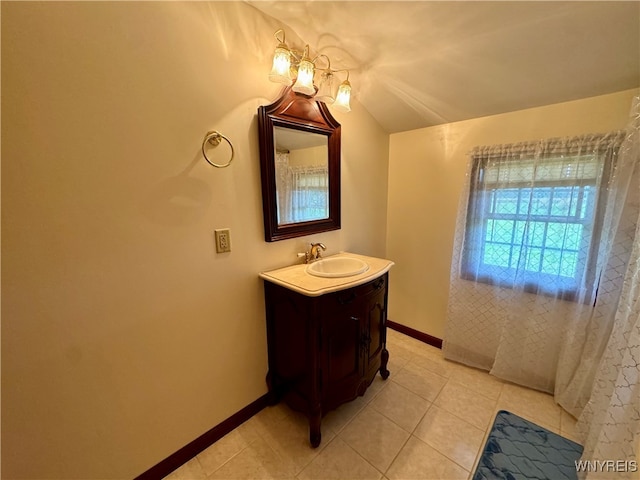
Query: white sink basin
x: 337, y: 267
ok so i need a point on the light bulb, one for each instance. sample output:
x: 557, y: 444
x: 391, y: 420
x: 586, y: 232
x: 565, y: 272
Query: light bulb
x: 304, y: 82
x: 343, y: 97
x: 325, y: 91
x: 281, y: 69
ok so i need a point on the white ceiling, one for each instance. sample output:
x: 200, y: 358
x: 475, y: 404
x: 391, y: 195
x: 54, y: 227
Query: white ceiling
x: 421, y: 63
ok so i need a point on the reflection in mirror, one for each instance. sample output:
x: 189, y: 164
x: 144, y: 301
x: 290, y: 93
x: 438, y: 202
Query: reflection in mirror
x: 302, y: 175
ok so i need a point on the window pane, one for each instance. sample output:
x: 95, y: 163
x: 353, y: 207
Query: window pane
x: 534, y: 256
x: 488, y: 236
x: 506, y: 201
x: 569, y: 264
x: 555, y: 235
x: 541, y: 200
x: 535, y: 235
x: 496, y: 254
x: 503, y: 231
x: 564, y: 201
x: 519, y: 235
x: 525, y: 201
x: 515, y: 256
x: 574, y: 236
x: 551, y: 262
x: 587, y: 202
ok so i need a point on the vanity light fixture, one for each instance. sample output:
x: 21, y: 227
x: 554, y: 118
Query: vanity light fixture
x: 291, y: 66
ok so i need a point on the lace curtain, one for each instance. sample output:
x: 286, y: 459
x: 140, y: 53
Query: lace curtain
x: 525, y: 254
x: 544, y: 281
x: 610, y: 421
x: 302, y: 191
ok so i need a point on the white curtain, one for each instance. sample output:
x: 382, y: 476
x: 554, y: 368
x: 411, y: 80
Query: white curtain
x: 610, y: 421
x: 302, y: 191
x: 544, y: 281
x: 525, y: 254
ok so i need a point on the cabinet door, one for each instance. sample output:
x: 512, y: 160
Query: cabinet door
x: 375, y: 324
x: 342, y: 324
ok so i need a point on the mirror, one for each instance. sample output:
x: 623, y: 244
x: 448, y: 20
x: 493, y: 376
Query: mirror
x: 302, y: 176
x: 300, y: 167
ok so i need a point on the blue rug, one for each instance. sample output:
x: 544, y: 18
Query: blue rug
x: 517, y: 449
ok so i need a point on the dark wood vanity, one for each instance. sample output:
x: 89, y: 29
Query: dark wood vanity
x: 325, y: 350
x: 326, y: 334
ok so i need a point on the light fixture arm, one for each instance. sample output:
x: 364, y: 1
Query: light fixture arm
x: 327, y: 59
x: 284, y: 36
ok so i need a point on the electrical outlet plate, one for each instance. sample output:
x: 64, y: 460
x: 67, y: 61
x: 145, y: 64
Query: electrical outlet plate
x: 223, y: 240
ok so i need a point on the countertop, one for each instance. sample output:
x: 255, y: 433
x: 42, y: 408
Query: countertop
x: 297, y: 279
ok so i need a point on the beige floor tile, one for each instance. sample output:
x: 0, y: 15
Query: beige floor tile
x: 467, y: 404
x: 227, y: 447
x: 451, y: 436
x: 420, y: 381
x: 269, y: 417
x: 257, y: 461
x: 485, y: 436
x: 399, y: 355
x: 376, y: 386
x: 419, y: 461
x: 432, y: 359
x: 449, y: 408
x: 337, y: 419
x: 535, y: 406
x: 290, y: 440
x: 192, y: 470
x: 477, y: 380
x: 568, y: 427
x: 396, y: 364
x: 433, y: 362
x: 416, y: 346
x: 403, y: 407
x: 375, y: 437
x: 339, y: 461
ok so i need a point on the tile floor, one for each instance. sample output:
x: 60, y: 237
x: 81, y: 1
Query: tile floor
x: 429, y: 420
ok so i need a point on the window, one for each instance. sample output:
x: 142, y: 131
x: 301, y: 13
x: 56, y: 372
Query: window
x: 303, y: 191
x: 533, y: 215
x: 309, y: 193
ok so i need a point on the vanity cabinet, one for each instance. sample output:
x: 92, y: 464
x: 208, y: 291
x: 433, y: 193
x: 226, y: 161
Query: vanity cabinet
x: 325, y: 350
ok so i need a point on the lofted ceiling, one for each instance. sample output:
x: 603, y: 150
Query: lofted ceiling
x: 422, y: 63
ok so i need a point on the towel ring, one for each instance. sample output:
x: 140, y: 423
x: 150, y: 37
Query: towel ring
x: 214, y: 138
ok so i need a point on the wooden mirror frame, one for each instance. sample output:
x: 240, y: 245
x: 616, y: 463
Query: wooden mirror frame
x: 298, y: 112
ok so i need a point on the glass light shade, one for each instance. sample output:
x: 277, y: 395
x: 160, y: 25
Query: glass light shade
x: 343, y: 97
x: 281, y: 69
x: 304, y: 82
x: 325, y: 91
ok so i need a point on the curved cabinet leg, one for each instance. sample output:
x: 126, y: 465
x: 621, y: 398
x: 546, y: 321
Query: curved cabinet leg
x: 314, y: 428
x: 384, y: 359
x: 272, y: 395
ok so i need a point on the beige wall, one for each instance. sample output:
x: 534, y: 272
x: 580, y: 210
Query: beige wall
x: 308, y: 156
x: 124, y: 335
x: 426, y: 174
